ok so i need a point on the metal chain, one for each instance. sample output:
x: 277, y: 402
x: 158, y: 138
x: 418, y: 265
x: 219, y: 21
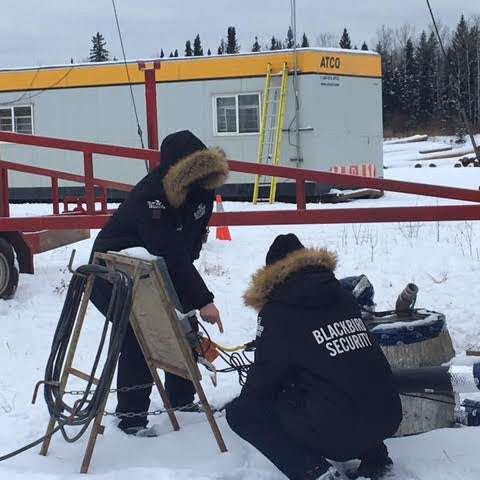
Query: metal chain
x: 113, y: 390
x: 189, y: 406
x: 155, y: 412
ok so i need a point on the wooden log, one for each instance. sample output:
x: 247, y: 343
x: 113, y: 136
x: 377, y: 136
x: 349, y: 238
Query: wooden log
x: 412, y: 139
x: 452, y: 154
x: 422, y: 415
x: 438, y: 149
x: 364, y: 193
x: 473, y: 353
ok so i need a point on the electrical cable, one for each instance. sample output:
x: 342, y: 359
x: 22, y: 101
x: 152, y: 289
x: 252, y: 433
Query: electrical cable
x: 139, y: 129
x: 84, y: 409
x: 236, y: 362
x: 229, y: 349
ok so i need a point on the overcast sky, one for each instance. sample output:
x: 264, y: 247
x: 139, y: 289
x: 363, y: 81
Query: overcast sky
x: 46, y: 32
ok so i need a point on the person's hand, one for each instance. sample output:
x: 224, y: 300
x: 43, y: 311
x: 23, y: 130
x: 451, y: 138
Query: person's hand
x: 210, y: 314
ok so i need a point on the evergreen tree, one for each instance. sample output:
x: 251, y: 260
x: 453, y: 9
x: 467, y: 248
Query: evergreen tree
x: 419, y: 90
x: 71, y: 59
x: 345, y: 40
x: 390, y: 84
x: 98, y: 52
x: 161, y: 53
x: 222, y: 48
x: 424, y: 62
x: 465, y: 65
x: 188, y: 49
x: 475, y: 76
x: 289, y: 41
x: 197, y: 46
x: 209, y: 52
x: 171, y: 55
x: 256, y: 46
x: 275, y: 44
x: 175, y: 54
x: 408, y: 98
x: 232, y: 44
x: 305, y: 43
x: 364, y: 46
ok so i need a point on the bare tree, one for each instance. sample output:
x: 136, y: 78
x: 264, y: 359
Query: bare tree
x: 402, y: 34
x: 385, y: 36
x: 326, y: 40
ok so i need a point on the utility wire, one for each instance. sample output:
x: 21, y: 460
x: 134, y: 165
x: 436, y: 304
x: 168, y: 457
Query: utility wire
x: 139, y: 129
x: 455, y: 84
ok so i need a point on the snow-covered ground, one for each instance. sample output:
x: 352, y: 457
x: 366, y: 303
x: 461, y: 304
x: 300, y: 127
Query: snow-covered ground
x: 443, y: 259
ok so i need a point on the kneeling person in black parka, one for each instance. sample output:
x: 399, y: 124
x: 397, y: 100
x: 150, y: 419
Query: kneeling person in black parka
x: 320, y: 386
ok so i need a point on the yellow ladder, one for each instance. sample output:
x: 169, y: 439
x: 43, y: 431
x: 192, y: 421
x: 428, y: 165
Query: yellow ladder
x: 269, y: 142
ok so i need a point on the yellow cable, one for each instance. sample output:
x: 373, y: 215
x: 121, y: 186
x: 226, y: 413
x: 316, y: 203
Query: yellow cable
x: 232, y: 349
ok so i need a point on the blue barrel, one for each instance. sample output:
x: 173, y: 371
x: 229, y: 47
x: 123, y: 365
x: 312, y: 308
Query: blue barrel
x: 418, y: 326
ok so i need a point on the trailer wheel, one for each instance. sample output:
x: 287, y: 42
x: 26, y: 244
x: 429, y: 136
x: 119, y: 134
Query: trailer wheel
x: 8, y: 270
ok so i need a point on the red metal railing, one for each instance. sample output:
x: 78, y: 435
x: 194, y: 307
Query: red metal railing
x: 95, y: 219
x: 88, y: 179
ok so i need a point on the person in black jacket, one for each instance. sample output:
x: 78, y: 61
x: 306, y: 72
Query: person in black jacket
x: 320, y: 386
x: 167, y: 213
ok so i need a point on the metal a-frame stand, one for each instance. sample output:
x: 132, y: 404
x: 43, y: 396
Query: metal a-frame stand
x: 159, y: 334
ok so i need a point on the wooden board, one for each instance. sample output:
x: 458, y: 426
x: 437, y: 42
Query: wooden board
x: 153, y: 317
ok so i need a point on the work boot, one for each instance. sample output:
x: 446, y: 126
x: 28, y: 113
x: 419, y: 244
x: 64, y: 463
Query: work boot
x: 372, y: 470
x: 331, y: 474
x: 140, y: 431
x: 319, y: 473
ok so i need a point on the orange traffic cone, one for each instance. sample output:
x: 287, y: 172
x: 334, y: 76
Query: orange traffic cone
x: 223, y: 233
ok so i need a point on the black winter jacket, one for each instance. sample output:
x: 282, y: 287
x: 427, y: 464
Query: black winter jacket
x: 168, y: 211
x: 314, y: 357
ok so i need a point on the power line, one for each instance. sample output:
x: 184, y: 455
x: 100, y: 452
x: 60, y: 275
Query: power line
x: 139, y: 130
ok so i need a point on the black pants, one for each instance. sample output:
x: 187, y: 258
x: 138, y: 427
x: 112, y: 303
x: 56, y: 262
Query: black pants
x: 257, y: 422
x: 133, y: 370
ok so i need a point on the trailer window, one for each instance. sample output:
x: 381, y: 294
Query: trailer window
x: 237, y: 114
x: 16, y: 119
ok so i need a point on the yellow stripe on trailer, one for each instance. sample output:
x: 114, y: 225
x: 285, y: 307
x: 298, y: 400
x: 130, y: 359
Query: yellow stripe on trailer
x: 309, y: 61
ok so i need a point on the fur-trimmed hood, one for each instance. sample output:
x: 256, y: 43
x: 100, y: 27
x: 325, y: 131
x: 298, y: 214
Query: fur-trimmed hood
x: 265, y: 280
x: 206, y: 168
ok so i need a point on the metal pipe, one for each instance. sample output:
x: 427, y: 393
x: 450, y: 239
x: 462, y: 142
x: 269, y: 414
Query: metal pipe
x: 452, y: 379
x: 295, y: 84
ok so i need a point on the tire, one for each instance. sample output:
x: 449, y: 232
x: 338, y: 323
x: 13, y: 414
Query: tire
x: 8, y: 270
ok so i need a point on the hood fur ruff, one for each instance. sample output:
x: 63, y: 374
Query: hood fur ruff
x: 209, y: 168
x: 265, y: 279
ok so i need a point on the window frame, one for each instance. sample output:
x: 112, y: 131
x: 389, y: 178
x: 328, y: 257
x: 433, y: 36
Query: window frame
x: 237, y: 113
x: 13, y: 117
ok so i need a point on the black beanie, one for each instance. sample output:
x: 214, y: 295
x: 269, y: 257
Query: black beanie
x: 282, y: 246
x: 178, y: 145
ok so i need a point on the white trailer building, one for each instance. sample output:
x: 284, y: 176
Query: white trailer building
x: 219, y: 98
